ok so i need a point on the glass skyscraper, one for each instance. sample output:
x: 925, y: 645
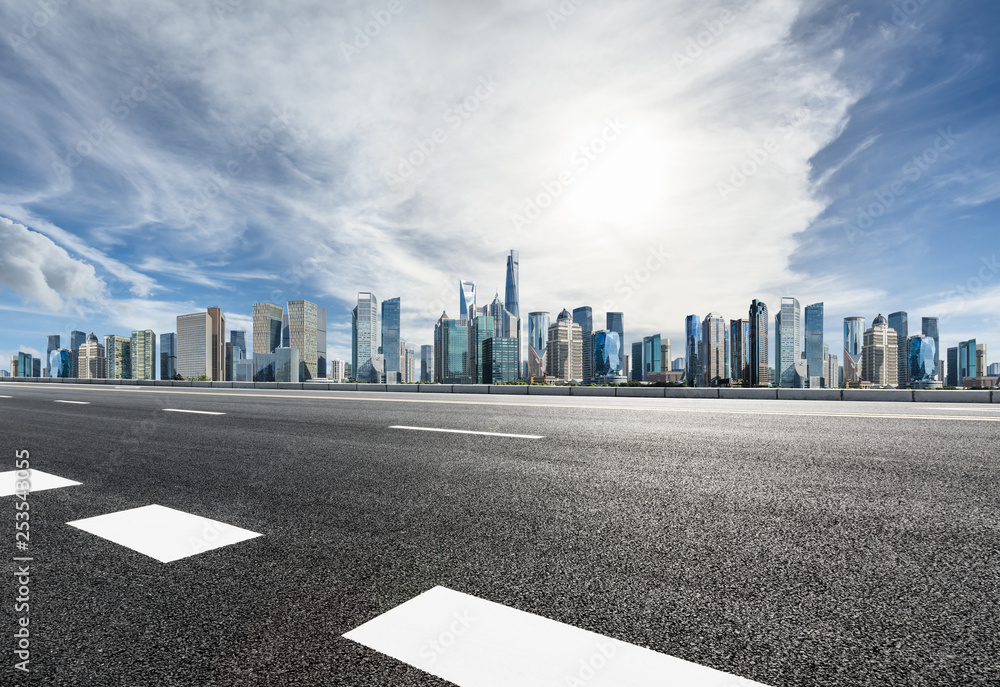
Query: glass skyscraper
x: 451, y: 351
x: 500, y: 360
x: 953, y: 366
x: 814, y: 340
x: 636, y: 362
x: 364, y: 339
x: 53, y: 344
x: 60, y: 363
x: 267, y: 319
x: 929, y: 327
x: 652, y: 355
x: 854, y: 341
x: 788, y: 341
x: 584, y: 316
x: 899, y: 323
x: 607, y: 358
x: 466, y: 300
x: 715, y: 349
x: 168, y: 356
x: 482, y: 329
x: 923, y: 359
x: 739, y: 352
x: 143, y: 354
x: 967, y: 361
x: 392, y: 351
x: 427, y: 364
x: 538, y: 341
x: 760, y: 323
x: 615, y: 322
x: 511, y: 295
x: 118, y: 351
x: 692, y: 347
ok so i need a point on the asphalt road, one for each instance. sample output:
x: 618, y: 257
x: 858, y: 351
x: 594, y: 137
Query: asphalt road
x: 792, y: 543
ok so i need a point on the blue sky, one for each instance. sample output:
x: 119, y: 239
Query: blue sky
x: 158, y: 160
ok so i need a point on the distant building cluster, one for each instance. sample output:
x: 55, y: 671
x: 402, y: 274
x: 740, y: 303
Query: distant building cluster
x: 485, y: 345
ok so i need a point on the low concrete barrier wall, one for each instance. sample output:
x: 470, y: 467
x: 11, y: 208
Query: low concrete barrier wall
x: 537, y: 390
x: 686, y: 392
x: 470, y: 389
x: 435, y: 388
x: 890, y: 395
x: 640, y: 391
x: 592, y: 391
x: 809, y: 394
x: 953, y: 395
x: 755, y: 394
x: 510, y: 389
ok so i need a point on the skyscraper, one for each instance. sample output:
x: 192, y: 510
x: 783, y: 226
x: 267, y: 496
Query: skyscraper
x: 267, y: 319
x: 878, y: 360
x: 511, y: 297
x: 451, y: 351
x: 91, y: 360
x: 715, y: 349
x: 788, y: 341
x: 76, y: 339
x: 953, y: 379
x: 466, y: 300
x: 814, y: 340
x: 364, y: 339
x: 427, y: 364
x: 967, y: 360
x: 584, y: 316
x: 201, y: 345
x: 635, y: 362
x: 564, y: 353
x: 615, y: 322
x: 694, y: 373
x: 899, y: 323
x: 500, y: 360
x: 538, y: 341
x: 143, y: 354
x: 739, y: 352
x: 923, y: 358
x: 118, y: 353
x: 301, y: 331
x: 929, y: 327
x: 652, y: 355
x: 217, y: 354
x: 760, y: 322
x: 392, y: 351
x: 607, y: 358
x: 981, y: 360
x: 53, y: 344
x: 236, y: 350
x: 168, y: 356
x: 854, y: 339
x: 481, y: 330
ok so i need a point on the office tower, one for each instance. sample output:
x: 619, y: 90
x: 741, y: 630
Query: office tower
x: 929, y: 327
x: 263, y: 366
x: 287, y: 364
x: 466, y: 300
x: 500, y: 360
x: 14, y: 366
x: 607, y: 356
x: 118, y: 352
x: 715, y: 350
x: 652, y: 355
x: 364, y: 339
x: 678, y: 365
x: 236, y: 350
x: 899, y: 323
x: 922, y: 360
x: 426, y: 364
x: 201, y: 350
x: 993, y: 370
x: 143, y: 353
x: 76, y: 339
x: 692, y: 346
x: 301, y: 330
x: 878, y: 358
x: 242, y: 369
x: 832, y: 373
x: 635, y: 361
x: 481, y: 329
x: 338, y: 370
x: 392, y: 348
x: 665, y: 352
x: 267, y: 319
x: 739, y: 352
x: 411, y: 366
x: 953, y: 367
x: 814, y: 339
x: 564, y: 353
x: 91, y: 360
x: 854, y: 336
x: 615, y: 322
x: 53, y: 344
x: 788, y: 341
x: 981, y: 360
x: 584, y: 316
x: 322, y: 365
x: 168, y: 356
x: 512, y: 293
x: 967, y: 360
x: 451, y: 351
x: 538, y: 341
x: 26, y: 364
x: 60, y: 363
x: 760, y: 322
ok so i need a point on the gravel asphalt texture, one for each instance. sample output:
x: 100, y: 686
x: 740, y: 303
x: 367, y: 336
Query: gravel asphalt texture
x: 792, y: 543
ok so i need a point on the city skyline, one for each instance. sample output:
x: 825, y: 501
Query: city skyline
x: 869, y: 163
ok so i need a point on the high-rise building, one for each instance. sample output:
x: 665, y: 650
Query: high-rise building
x: 981, y: 360
x: 364, y: 339
x: 923, y: 358
x: 694, y: 374
x: 338, y: 371
x: 91, y: 360
x: 426, y: 364
x: 118, y: 352
x: 538, y: 341
x: 287, y: 364
x: 831, y: 374
x: 814, y: 340
x: 739, y: 352
x: 392, y: 349
x: 143, y: 353
x: 168, y: 356
x: 929, y: 327
x: 217, y: 354
x: 564, y: 353
x: 584, y: 316
x: 854, y: 340
x: 993, y: 370
x: 512, y: 294
x: 967, y: 360
x: 201, y: 345
x: 76, y: 339
x: 953, y: 379
x: 53, y: 344
x: 267, y: 319
x: 635, y: 361
x: 24, y: 364
x: 60, y: 363
x: 615, y: 322
x: 481, y: 329
x: 788, y: 341
x: 466, y: 300
x: 652, y: 355
x: 264, y: 366
x: 242, y: 370
x: 500, y: 360
x: 678, y: 365
x: 411, y: 366
x: 303, y: 331
x: 607, y: 356
x: 36, y: 367
x: 715, y: 350
x: 878, y: 358
x: 760, y: 371
x: 899, y: 322
x: 236, y: 350
x: 451, y: 351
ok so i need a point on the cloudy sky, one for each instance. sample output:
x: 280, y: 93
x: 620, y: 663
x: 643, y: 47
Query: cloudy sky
x: 662, y: 158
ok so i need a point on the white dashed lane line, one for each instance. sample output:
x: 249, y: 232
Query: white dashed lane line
x: 197, y: 412
x: 466, y: 431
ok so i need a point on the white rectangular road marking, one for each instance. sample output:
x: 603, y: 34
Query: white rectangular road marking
x: 466, y: 431
x: 39, y: 481
x: 197, y: 412
x: 79, y: 403
x: 163, y: 533
x: 6, y: 397
x: 477, y: 643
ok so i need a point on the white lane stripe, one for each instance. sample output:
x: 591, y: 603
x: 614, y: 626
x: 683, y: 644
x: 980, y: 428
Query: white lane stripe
x: 466, y: 431
x: 6, y: 397
x: 79, y: 403
x: 477, y: 643
x: 198, y: 412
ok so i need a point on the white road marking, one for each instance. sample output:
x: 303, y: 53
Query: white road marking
x: 163, y: 533
x: 79, y: 403
x: 37, y: 480
x: 465, y: 431
x: 6, y: 397
x: 477, y: 643
x: 198, y: 412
